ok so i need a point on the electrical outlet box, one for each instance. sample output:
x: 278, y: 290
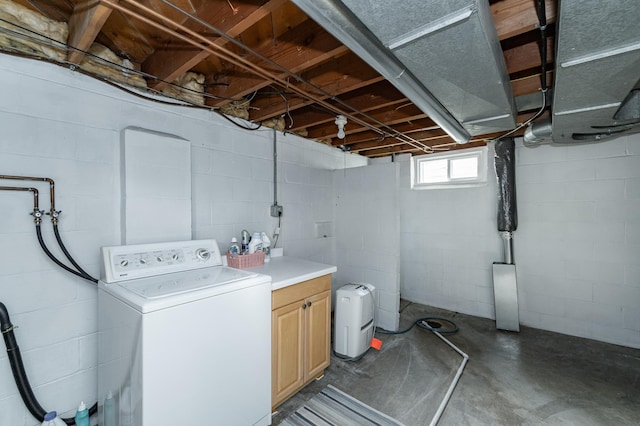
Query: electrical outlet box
x: 276, y: 210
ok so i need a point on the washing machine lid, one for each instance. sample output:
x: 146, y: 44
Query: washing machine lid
x: 162, y: 291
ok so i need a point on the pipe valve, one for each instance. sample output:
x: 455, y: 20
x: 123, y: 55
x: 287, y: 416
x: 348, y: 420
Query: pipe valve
x: 37, y: 215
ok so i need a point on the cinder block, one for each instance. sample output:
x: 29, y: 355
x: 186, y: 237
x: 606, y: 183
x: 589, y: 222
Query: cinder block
x: 632, y: 275
x: 632, y: 188
x: 541, y: 155
x: 631, y: 318
x: 612, y: 148
x: 618, y: 167
x: 229, y: 164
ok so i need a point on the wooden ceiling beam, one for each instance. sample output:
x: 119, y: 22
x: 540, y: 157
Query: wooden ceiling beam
x: 170, y: 62
x: 299, y: 50
x: 530, y: 84
x: 370, y: 98
x: 371, y: 149
x: 527, y: 56
x: 85, y: 23
x: 388, y: 116
x: 428, y: 138
x: 412, y: 129
x: 58, y: 10
x: 515, y: 17
x: 341, y: 75
x: 408, y: 149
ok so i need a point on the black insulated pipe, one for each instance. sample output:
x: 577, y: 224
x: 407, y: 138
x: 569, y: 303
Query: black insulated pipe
x: 17, y: 367
x: 20, y: 375
x: 505, y: 166
x: 542, y: 19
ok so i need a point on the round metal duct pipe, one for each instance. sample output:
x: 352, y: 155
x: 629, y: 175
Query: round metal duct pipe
x: 538, y: 132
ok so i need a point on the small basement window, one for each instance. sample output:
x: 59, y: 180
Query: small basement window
x: 447, y: 170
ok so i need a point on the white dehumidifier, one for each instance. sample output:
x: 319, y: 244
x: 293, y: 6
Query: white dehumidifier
x: 353, y: 321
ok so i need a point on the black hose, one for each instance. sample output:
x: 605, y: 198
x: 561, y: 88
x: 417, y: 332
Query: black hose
x: 426, y: 323
x: 19, y: 375
x: 52, y: 257
x: 17, y: 367
x: 56, y: 231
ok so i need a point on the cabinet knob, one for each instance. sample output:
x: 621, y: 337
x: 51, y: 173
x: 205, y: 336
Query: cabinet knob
x: 308, y: 303
x: 304, y: 306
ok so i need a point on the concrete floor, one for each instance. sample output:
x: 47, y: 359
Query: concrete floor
x: 528, y: 378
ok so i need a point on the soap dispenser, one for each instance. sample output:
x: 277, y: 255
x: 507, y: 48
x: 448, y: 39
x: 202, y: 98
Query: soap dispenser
x: 82, y: 415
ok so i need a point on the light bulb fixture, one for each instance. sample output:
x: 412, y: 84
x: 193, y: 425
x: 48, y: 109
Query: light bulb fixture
x: 341, y: 120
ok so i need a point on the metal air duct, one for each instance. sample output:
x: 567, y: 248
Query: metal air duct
x: 444, y: 55
x: 597, y: 71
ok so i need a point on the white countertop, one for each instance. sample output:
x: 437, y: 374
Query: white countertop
x: 285, y: 271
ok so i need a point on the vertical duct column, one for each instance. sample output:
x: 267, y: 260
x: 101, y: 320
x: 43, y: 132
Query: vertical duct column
x: 505, y: 287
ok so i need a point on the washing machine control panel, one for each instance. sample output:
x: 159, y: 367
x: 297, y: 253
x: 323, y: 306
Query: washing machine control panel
x: 122, y: 263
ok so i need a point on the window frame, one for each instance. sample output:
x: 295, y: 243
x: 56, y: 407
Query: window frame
x: 480, y: 153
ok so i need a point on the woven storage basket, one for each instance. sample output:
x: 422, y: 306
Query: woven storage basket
x: 243, y: 261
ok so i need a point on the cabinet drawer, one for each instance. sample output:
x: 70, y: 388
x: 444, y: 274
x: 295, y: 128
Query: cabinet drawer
x: 287, y: 295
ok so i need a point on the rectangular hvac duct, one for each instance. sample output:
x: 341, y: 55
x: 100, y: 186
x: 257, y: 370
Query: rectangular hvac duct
x: 505, y: 291
x: 597, y: 66
x: 449, y: 47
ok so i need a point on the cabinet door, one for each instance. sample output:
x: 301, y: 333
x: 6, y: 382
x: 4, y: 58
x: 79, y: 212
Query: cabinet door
x: 318, y: 332
x: 287, y: 350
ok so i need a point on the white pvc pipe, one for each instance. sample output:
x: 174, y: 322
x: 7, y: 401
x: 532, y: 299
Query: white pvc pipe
x: 447, y: 396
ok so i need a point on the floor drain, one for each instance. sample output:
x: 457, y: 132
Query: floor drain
x: 433, y: 324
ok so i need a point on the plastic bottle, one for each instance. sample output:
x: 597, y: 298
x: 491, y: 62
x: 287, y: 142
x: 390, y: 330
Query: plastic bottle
x: 234, y: 248
x: 245, y: 242
x: 52, y: 419
x: 109, y: 411
x: 82, y: 415
x: 255, y: 245
x: 266, y: 247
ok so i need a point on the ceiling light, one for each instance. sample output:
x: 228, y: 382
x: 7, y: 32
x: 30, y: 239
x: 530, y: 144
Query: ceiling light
x: 341, y: 120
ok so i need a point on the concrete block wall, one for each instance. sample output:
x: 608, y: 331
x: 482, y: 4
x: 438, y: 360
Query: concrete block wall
x: 449, y: 243
x: 233, y: 177
x: 367, y: 235
x: 577, y: 248
x: 63, y: 125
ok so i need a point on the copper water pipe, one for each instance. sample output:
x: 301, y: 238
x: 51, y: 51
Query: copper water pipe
x: 231, y: 57
x: 36, y: 213
x: 52, y: 196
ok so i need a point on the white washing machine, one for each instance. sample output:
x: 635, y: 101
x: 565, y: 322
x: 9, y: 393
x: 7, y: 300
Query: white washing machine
x: 183, y: 340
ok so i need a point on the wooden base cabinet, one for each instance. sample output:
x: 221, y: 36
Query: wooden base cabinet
x: 301, y: 336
